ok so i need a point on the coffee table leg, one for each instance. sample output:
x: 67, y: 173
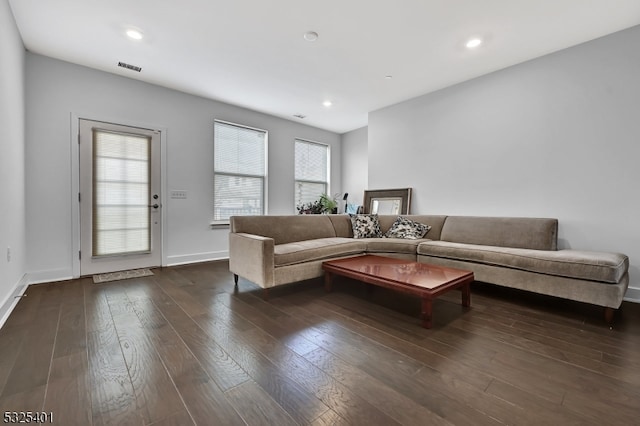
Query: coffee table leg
x: 466, y: 295
x: 426, y: 312
x: 328, y: 277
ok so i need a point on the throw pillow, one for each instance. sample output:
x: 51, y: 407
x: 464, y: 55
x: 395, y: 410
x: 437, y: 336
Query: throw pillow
x: 407, y: 229
x: 365, y: 225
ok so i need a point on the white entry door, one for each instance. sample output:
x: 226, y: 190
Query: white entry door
x: 120, y: 205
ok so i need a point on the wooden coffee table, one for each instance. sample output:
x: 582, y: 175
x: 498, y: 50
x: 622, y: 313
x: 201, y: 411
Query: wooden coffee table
x: 420, y: 279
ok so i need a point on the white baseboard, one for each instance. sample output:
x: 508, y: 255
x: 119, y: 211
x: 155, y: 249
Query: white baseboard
x: 196, y: 258
x: 633, y: 295
x: 12, y: 299
x: 49, y: 276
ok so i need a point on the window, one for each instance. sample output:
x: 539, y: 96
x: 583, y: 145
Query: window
x: 312, y: 171
x: 239, y: 171
x: 121, y: 193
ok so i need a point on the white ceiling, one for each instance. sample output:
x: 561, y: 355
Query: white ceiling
x: 252, y: 52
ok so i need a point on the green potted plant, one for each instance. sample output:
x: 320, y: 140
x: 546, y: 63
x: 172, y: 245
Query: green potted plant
x: 324, y: 205
x: 329, y: 205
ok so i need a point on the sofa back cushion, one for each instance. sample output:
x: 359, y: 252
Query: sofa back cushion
x: 285, y: 229
x: 517, y: 232
x: 341, y: 225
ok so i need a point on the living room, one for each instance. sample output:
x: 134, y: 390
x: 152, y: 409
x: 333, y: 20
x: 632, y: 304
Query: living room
x: 555, y: 136
x: 544, y: 142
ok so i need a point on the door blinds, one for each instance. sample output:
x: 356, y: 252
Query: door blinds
x: 121, y: 179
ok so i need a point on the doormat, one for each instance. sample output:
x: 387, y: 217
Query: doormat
x: 121, y: 275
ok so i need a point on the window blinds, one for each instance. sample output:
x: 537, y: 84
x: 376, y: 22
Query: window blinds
x: 121, y: 177
x: 239, y: 170
x: 311, y: 171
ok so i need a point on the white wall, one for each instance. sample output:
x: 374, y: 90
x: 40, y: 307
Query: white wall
x: 557, y: 136
x: 12, y: 175
x: 355, y: 171
x: 56, y: 89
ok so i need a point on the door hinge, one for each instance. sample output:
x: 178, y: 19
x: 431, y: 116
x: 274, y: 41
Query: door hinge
x: 79, y: 255
x: 78, y: 197
x: 78, y: 138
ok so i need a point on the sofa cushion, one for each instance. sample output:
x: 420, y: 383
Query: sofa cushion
x: 321, y: 248
x: 341, y: 224
x: 392, y: 245
x: 285, y: 229
x: 585, y: 265
x: 407, y: 229
x: 365, y: 225
x: 517, y: 232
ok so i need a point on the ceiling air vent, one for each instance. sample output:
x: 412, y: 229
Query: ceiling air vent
x: 129, y: 66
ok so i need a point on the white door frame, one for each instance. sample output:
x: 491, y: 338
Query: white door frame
x: 75, y: 180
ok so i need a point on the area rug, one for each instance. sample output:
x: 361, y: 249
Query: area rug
x: 121, y: 275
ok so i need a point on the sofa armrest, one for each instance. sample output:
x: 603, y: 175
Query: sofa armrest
x: 251, y: 257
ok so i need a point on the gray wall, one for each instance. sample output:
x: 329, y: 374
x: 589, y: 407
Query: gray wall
x: 355, y: 171
x: 12, y: 175
x: 557, y: 136
x: 56, y: 89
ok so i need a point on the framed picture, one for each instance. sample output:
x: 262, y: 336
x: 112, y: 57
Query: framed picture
x: 387, y: 201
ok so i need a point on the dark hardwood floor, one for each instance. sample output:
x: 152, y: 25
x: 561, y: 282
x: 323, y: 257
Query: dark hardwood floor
x: 181, y: 347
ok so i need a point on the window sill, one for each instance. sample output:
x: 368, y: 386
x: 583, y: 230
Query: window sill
x: 220, y: 225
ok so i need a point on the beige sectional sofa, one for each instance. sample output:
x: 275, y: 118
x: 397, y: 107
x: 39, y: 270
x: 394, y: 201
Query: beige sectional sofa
x: 513, y: 252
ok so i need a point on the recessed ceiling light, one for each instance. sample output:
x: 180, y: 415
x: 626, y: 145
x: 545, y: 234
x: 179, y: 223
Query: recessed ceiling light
x: 310, y: 36
x: 134, y: 34
x: 388, y: 77
x: 327, y: 103
x: 473, y: 43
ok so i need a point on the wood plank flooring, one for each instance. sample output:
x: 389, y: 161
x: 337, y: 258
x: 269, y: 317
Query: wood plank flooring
x: 183, y: 347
